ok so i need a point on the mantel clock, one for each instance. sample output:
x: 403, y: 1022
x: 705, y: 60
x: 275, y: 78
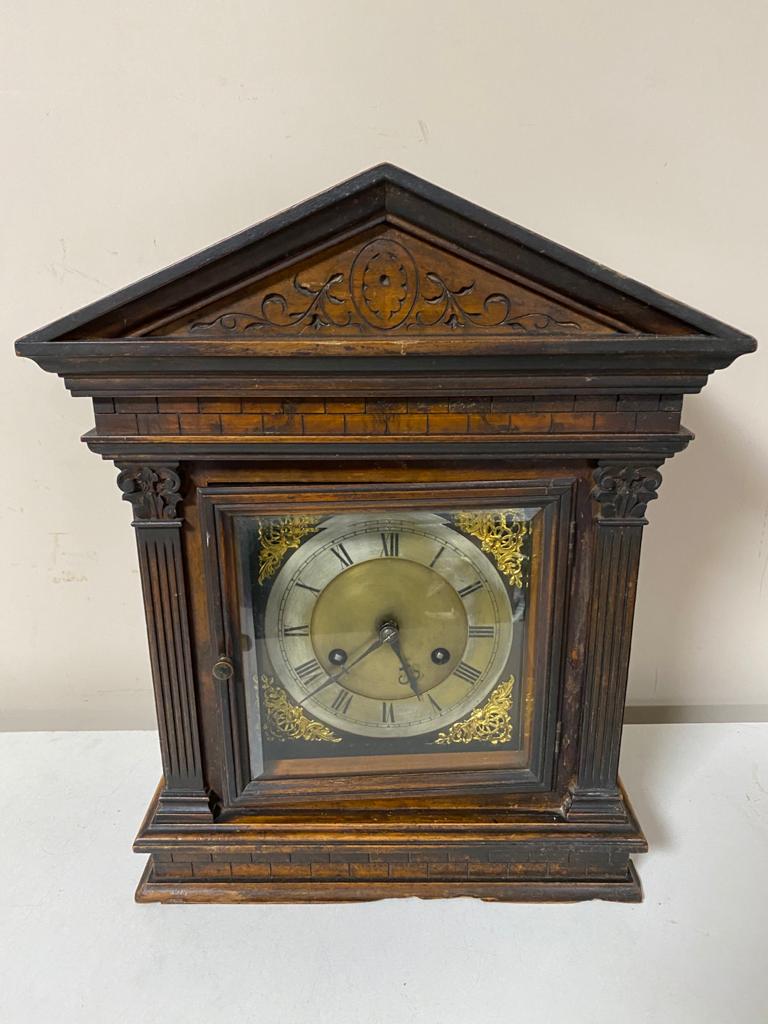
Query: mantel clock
x: 389, y: 458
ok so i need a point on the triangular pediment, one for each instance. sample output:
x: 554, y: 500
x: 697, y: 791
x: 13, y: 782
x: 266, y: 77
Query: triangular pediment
x: 384, y: 258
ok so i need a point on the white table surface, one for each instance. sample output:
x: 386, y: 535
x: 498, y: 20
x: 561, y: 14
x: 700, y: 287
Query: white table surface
x: 75, y: 947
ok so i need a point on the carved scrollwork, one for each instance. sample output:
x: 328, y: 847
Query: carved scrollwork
x: 623, y: 492
x: 154, y: 491
x: 323, y: 308
x: 489, y: 723
x: 495, y: 311
x: 383, y: 288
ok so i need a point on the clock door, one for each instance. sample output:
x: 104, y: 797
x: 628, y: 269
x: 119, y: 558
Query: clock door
x: 381, y: 641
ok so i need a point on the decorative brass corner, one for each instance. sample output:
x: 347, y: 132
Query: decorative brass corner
x: 277, y: 537
x: 489, y: 723
x: 501, y: 534
x: 285, y: 720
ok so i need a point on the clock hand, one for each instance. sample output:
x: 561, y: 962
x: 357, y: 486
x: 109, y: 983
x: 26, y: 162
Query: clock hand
x: 394, y: 642
x: 332, y: 679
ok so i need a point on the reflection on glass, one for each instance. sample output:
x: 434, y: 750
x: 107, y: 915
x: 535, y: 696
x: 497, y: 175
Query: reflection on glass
x: 385, y: 632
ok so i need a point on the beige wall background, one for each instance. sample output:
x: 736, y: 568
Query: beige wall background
x: 136, y: 133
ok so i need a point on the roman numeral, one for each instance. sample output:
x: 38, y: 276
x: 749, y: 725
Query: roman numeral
x: 442, y: 549
x: 295, y: 630
x: 341, y: 701
x: 309, y: 671
x: 470, y: 589
x: 387, y: 711
x: 466, y: 672
x: 433, y: 702
x: 342, y: 554
x: 390, y: 545
x: 305, y: 586
x: 482, y: 630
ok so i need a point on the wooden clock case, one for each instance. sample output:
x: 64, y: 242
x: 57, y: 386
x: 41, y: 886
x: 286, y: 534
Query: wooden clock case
x: 387, y: 344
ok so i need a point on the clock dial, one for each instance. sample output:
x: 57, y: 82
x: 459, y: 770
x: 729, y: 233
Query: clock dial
x: 388, y: 626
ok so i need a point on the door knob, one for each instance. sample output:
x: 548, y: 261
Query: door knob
x: 223, y: 669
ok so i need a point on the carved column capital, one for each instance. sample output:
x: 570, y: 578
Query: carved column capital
x: 623, y: 491
x: 154, y: 491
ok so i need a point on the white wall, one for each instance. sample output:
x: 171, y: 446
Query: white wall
x: 136, y: 133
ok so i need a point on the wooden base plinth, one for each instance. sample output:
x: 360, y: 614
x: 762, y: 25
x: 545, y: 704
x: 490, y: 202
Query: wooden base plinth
x: 152, y: 890
x: 505, y: 856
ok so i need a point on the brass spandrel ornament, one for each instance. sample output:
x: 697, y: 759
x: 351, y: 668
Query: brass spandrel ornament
x: 501, y: 535
x: 278, y: 537
x: 285, y: 720
x: 489, y: 723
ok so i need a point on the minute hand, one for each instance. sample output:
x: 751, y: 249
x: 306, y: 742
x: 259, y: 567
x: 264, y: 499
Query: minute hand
x: 332, y: 679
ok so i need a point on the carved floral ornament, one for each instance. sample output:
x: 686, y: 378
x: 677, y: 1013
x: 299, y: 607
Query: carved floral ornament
x: 383, y: 290
x: 624, y: 491
x: 152, y: 490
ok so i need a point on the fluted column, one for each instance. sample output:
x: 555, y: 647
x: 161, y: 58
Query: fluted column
x: 620, y: 495
x: 155, y: 492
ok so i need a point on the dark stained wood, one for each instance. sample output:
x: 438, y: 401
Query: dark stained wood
x: 388, y: 345
x: 154, y: 492
x: 621, y: 494
x: 482, y: 417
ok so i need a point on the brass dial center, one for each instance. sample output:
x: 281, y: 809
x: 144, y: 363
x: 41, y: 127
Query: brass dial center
x: 393, y: 600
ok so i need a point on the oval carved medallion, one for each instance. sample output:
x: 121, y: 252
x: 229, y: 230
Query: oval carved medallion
x: 383, y: 283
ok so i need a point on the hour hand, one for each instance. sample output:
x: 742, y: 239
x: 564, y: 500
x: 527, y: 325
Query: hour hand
x: 394, y: 642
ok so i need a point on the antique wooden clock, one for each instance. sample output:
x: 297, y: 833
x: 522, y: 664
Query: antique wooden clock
x: 388, y: 457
